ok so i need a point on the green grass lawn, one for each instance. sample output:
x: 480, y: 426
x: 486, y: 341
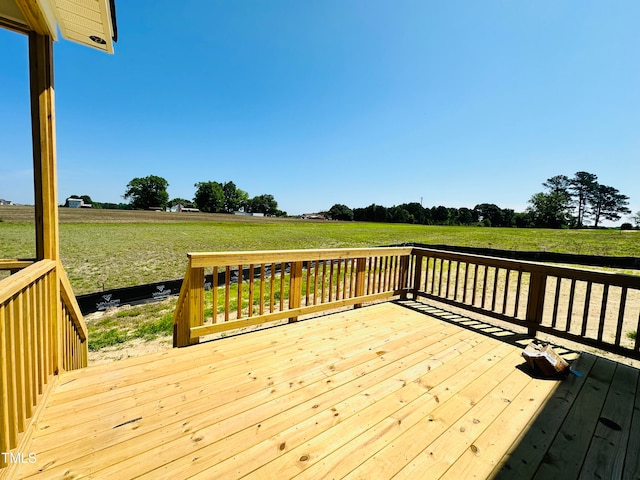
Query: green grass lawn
x: 110, y: 249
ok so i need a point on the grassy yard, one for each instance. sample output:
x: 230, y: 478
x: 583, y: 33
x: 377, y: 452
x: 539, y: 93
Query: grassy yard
x: 105, y: 249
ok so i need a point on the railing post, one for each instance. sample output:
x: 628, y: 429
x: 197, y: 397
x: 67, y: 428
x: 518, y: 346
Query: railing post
x: 295, y: 288
x: 193, y: 311
x: 361, y: 269
x: 535, y: 301
x: 417, y: 278
x: 404, y: 275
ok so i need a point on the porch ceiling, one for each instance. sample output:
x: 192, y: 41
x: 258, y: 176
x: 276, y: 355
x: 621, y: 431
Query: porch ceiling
x: 88, y: 22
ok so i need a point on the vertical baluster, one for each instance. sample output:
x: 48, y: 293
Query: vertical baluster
x: 227, y: 292
x: 636, y: 346
x: 20, y: 367
x: 240, y: 279
x: 516, y: 306
x: 485, y: 278
x: 262, y: 287
x: 466, y: 282
x: 316, y: 268
x: 331, y: 267
x: 556, y: 302
x: 603, y: 311
x: 621, y: 309
x: 456, y: 283
x: 344, y: 279
x: 351, y: 277
x: 308, y: 285
x: 446, y: 295
x: 507, y: 285
x: 324, y: 280
x: 272, y: 288
x: 214, y: 295
x: 283, y: 269
x: 475, y: 284
x: 251, y: 290
x: 585, y: 312
x: 496, y: 274
x: 338, y: 271
x: 572, y: 294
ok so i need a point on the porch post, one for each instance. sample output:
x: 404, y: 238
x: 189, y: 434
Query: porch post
x: 44, y: 146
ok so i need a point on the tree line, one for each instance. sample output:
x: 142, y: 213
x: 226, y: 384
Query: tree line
x: 567, y: 202
x: 150, y: 192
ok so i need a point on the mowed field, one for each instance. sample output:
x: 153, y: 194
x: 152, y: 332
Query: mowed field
x: 104, y: 249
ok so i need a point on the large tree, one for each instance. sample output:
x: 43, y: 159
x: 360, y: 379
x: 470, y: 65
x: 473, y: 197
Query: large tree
x: 548, y: 210
x: 147, y: 192
x: 209, y: 197
x: 582, y: 187
x: 340, y: 212
x: 608, y: 204
x: 234, y: 198
x: 265, y: 204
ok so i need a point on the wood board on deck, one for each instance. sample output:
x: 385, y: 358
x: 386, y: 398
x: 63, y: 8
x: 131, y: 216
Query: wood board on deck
x: 375, y: 392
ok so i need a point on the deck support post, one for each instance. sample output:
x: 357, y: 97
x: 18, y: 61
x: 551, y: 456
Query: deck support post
x: 43, y: 134
x: 44, y: 146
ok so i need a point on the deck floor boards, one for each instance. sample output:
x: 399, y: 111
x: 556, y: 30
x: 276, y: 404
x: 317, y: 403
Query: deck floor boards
x: 378, y: 392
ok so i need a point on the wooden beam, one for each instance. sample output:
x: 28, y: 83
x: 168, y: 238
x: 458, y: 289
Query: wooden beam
x: 40, y: 19
x: 44, y: 145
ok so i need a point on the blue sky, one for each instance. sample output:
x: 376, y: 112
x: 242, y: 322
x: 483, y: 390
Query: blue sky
x: 450, y: 103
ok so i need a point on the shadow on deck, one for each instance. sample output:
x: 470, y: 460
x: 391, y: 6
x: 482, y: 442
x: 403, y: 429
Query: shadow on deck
x: 396, y: 389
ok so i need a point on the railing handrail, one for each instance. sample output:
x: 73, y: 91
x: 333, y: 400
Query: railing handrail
x: 69, y: 299
x: 612, y: 278
x: 18, y: 281
x: 594, y: 308
x: 224, y: 259
x: 15, y: 263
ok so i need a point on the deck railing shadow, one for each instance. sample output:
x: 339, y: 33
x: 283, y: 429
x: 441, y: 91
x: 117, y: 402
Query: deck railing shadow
x: 589, y: 427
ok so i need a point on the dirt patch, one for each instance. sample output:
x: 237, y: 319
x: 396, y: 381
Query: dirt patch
x: 133, y: 348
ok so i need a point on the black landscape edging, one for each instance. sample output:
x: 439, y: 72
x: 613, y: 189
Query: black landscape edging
x: 150, y: 292
x: 153, y: 292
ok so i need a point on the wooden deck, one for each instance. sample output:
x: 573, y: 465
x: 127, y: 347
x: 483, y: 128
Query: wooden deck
x: 379, y: 392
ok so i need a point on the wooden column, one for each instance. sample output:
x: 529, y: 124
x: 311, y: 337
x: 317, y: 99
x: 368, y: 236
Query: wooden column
x: 44, y: 145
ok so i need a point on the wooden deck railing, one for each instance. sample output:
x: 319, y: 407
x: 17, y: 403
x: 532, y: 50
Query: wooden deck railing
x: 594, y: 308
x: 270, y: 286
x: 35, y: 342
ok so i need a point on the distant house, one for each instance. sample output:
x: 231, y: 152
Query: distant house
x: 5, y: 202
x: 312, y: 216
x: 77, y: 203
x: 249, y: 214
x: 180, y: 208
